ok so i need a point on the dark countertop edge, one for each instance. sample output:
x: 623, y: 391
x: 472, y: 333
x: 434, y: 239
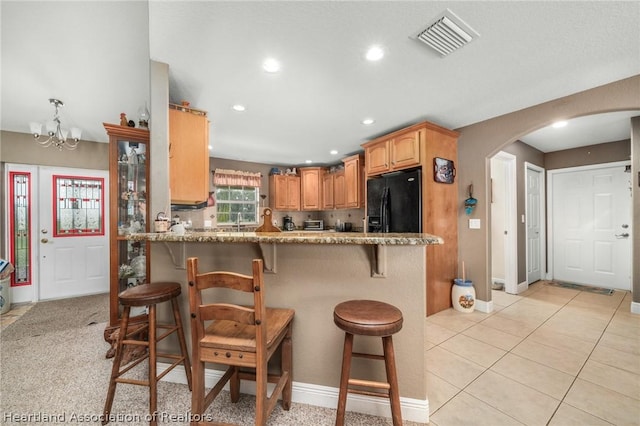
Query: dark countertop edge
x: 347, y: 238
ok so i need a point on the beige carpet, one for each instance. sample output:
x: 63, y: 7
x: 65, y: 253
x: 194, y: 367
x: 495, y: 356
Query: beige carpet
x: 53, y: 370
x: 57, y: 315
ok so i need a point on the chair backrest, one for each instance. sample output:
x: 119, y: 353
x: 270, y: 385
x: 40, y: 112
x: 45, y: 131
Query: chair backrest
x: 249, y: 315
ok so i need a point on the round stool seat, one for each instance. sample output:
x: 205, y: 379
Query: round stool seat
x: 150, y: 294
x: 368, y: 317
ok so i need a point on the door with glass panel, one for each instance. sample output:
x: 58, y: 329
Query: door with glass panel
x: 73, y: 240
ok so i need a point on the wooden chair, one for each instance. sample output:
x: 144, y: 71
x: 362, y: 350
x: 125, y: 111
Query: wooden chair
x: 241, y: 337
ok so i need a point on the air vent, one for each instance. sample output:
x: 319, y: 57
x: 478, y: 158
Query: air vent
x: 447, y: 34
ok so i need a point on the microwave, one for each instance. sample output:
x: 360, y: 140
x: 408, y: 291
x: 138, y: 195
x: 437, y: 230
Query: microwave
x: 313, y: 225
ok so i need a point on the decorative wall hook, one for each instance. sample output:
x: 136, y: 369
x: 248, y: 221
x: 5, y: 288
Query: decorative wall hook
x: 470, y: 203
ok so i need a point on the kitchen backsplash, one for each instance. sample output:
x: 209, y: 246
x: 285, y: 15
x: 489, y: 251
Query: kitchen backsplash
x: 205, y: 218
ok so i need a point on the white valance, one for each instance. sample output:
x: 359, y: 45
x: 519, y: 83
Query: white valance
x: 236, y: 178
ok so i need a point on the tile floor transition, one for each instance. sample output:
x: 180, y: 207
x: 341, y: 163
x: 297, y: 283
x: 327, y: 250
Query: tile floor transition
x: 549, y: 356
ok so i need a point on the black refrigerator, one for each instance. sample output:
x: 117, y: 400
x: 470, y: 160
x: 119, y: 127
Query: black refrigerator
x: 394, y: 202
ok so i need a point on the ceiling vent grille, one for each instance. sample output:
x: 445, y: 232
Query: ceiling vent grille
x: 447, y: 34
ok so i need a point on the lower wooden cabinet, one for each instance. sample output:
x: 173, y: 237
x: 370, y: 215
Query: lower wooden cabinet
x: 284, y: 192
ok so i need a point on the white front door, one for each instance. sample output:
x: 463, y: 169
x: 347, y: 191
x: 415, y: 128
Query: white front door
x: 73, y: 232
x: 534, y: 219
x: 591, y: 217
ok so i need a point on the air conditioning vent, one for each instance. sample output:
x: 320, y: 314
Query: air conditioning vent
x: 447, y: 34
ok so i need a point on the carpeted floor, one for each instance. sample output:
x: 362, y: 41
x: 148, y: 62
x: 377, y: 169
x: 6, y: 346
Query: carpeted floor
x: 588, y: 288
x: 57, y: 315
x: 53, y: 370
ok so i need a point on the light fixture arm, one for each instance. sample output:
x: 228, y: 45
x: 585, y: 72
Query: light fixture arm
x: 57, y: 135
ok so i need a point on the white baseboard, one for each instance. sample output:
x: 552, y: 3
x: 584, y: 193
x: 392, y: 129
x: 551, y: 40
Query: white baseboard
x: 414, y: 410
x: 483, y: 306
x: 523, y: 286
x: 635, y: 308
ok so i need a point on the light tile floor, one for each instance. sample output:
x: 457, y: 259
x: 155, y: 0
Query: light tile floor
x: 549, y: 356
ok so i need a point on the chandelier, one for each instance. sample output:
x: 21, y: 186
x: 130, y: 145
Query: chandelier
x: 57, y: 135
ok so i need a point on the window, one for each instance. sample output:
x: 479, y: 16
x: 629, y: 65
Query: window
x: 234, y: 200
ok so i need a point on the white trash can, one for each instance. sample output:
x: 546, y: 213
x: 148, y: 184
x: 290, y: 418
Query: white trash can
x: 463, y: 295
x: 5, y: 295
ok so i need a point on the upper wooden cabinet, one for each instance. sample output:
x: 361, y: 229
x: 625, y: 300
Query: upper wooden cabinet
x: 353, y: 181
x: 188, y: 155
x: 284, y: 192
x: 328, y: 201
x: 392, y: 153
x: 339, y: 189
x: 311, y: 183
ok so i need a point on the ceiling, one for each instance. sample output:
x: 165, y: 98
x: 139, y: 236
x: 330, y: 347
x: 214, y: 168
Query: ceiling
x: 96, y: 61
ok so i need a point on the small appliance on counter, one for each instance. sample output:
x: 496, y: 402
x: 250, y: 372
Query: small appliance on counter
x: 313, y: 225
x: 287, y: 223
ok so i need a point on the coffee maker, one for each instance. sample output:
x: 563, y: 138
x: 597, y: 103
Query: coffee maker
x: 287, y: 223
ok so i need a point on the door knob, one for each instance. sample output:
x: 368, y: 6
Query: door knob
x: 44, y: 240
x: 623, y: 235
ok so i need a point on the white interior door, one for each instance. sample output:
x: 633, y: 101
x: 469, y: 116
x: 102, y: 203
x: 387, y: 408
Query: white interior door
x: 534, y: 178
x: 504, y: 244
x: 73, y: 232
x: 591, y: 217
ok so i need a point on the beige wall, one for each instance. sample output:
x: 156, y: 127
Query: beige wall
x: 588, y: 155
x: 20, y: 148
x: 480, y: 141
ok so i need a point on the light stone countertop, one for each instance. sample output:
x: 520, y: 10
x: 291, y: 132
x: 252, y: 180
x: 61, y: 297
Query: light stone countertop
x: 292, y: 237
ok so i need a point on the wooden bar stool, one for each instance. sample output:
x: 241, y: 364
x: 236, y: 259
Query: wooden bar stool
x: 368, y: 318
x: 147, y: 295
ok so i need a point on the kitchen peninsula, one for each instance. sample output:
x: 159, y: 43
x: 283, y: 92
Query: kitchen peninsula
x: 311, y: 273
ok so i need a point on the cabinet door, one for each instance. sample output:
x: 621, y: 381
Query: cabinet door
x: 293, y: 193
x: 339, y: 190
x: 188, y: 157
x: 405, y: 151
x: 310, y: 180
x: 278, y: 191
x: 327, y: 191
x: 377, y: 158
x: 353, y: 182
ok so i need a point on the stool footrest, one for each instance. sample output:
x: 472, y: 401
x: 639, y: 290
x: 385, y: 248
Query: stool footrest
x: 178, y: 361
x: 368, y: 356
x: 368, y: 393
x: 170, y: 329
x: 369, y: 384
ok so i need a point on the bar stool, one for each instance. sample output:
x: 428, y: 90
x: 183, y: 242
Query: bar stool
x: 147, y: 295
x: 368, y: 318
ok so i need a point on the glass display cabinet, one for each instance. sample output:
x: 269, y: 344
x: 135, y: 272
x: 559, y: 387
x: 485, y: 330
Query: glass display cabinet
x: 128, y: 213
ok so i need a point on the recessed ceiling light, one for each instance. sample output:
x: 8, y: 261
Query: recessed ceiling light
x: 308, y: 161
x: 559, y: 124
x: 271, y: 65
x: 239, y: 108
x: 375, y: 53
x: 210, y: 147
x: 333, y: 152
x: 368, y: 121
